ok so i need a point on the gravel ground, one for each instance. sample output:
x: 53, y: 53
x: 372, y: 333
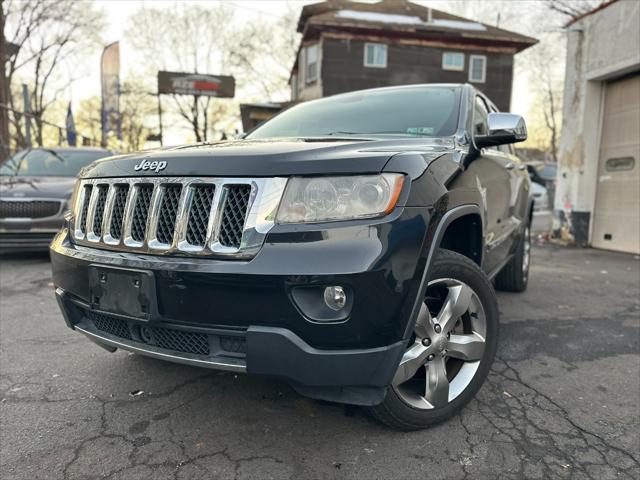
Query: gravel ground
x: 561, y: 401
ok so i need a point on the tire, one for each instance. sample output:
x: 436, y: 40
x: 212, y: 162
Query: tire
x: 403, y: 407
x: 514, y: 277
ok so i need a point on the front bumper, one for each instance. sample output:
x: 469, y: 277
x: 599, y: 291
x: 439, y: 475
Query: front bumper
x: 25, y: 241
x: 242, y: 316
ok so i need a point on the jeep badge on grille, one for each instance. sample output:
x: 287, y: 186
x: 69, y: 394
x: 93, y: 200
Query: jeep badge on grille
x: 146, y: 165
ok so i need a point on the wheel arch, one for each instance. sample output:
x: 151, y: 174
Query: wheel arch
x: 472, y: 211
x: 464, y: 236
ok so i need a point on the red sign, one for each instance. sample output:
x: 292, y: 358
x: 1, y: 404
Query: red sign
x: 196, y: 84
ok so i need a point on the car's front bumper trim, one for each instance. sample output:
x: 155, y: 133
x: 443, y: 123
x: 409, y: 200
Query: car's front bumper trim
x: 231, y: 365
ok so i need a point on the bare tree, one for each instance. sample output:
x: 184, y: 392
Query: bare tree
x: 208, y: 39
x: 47, y: 34
x: 137, y: 111
x: 87, y: 118
x: 187, y: 38
x: 137, y: 105
x: 571, y: 9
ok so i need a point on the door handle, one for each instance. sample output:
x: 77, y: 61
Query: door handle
x: 510, y: 166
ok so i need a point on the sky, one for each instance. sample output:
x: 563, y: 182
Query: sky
x: 119, y: 12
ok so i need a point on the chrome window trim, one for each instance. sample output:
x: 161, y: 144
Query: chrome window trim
x: 264, y: 200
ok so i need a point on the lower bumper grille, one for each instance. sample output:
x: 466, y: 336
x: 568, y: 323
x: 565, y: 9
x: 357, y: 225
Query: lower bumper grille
x: 29, y: 208
x: 195, y: 343
x: 111, y: 325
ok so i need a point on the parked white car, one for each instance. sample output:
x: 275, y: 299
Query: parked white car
x: 540, y: 197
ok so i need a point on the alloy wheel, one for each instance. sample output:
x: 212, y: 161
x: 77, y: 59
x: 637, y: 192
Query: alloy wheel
x: 447, y: 346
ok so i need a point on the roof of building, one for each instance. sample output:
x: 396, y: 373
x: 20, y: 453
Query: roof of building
x: 405, y: 19
x: 602, y: 6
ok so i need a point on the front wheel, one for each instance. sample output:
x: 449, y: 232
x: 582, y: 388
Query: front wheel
x: 514, y: 277
x: 450, y: 351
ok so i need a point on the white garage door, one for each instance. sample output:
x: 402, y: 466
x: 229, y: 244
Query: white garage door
x: 616, y: 222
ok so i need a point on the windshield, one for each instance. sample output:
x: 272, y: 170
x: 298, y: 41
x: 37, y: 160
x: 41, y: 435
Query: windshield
x: 50, y: 163
x: 413, y: 112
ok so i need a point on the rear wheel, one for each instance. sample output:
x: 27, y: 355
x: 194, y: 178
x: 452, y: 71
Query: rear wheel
x: 450, y: 351
x: 514, y: 277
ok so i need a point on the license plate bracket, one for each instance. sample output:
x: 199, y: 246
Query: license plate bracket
x: 121, y: 291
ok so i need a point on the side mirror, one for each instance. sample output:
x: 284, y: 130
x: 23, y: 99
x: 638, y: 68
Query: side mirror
x: 503, y: 128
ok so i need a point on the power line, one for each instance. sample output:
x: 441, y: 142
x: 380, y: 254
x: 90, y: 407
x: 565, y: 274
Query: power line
x: 261, y: 12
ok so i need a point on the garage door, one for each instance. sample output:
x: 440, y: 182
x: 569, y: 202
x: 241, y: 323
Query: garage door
x: 616, y: 222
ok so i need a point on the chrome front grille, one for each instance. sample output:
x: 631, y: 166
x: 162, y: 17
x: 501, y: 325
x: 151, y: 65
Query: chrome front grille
x: 193, y: 216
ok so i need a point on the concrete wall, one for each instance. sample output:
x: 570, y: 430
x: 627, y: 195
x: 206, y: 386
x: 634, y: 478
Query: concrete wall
x: 600, y: 47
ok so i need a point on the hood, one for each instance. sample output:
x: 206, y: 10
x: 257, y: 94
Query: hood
x: 36, y: 187
x: 262, y: 158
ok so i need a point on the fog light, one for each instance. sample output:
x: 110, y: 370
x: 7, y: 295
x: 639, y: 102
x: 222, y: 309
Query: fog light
x: 335, y: 298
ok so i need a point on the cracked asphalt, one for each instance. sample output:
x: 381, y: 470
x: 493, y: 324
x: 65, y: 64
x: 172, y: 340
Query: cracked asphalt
x: 562, y: 400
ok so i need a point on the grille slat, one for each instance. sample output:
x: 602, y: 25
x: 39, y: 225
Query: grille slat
x: 168, y: 214
x: 99, y: 211
x: 141, y: 212
x: 228, y: 217
x: 117, y: 213
x: 85, y: 208
x: 28, y: 209
x: 199, y: 214
x: 234, y: 215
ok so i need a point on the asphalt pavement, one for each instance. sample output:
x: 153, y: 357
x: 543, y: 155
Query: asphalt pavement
x: 562, y: 400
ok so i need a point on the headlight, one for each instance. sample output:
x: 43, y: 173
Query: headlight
x: 323, y: 199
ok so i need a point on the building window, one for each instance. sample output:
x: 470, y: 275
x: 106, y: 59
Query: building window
x: 477, y: 68
x: 453, y: 61
x: 375, y: 55
x: 312, y: 63
x: 294, y: 86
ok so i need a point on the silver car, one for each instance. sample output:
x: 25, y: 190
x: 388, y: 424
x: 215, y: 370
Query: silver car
x: 35, y: 188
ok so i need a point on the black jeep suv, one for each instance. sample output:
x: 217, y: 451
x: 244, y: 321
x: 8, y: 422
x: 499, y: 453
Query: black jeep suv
x: 347, y: 245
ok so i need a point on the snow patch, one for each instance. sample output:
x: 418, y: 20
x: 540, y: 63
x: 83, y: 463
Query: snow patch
x: 457, y: 24
x: 380, y: 17
x: 409, y: 20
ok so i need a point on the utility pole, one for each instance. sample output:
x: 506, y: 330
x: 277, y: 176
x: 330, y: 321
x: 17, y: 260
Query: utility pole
x: 160, y: 120
x: 4, y: 90
x: 27, y: 114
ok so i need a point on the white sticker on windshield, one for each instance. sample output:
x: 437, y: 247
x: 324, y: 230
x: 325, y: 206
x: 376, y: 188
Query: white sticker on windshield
x: 420, y: 130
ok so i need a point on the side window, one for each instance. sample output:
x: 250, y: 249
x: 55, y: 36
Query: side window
x: 312, y: 63
x: 477, y: 68
x: 480, y: 117
x: 375, y: 55
x: 294, y: 86
x: 453, y: 61
x: 301, y: 67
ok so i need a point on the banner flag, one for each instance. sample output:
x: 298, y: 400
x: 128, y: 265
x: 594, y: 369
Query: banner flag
x: 110, y: 78
x: 71, y: 128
